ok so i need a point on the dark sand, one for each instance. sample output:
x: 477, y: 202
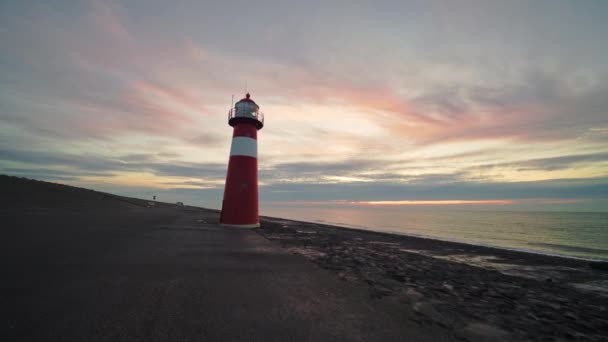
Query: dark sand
x: 80, y: 265
x: 471, y: 291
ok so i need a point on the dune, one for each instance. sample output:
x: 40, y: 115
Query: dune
x: 82, y: 265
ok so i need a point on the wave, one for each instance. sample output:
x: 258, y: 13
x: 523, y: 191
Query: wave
x: 570, y: 248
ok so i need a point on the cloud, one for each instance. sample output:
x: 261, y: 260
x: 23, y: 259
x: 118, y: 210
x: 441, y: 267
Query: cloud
x: 285, y: 170
x: 363, y: 101
x: 124, y: 84
x: 97, y: 79
x: 206, y: 139
x: 98, y: 165
x: 560, y: 163
x: 49, y: 174
x: 191, y: 184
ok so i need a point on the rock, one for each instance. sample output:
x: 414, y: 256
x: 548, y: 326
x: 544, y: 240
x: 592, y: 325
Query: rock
x: 598, y: 265
x: 413, y: 295
x: 485, y: 332
x: 427, y: 309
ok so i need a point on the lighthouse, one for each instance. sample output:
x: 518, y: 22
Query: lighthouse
x: 240, y: 204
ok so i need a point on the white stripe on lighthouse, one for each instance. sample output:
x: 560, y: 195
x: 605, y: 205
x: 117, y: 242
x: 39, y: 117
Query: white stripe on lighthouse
x: 244, y: 146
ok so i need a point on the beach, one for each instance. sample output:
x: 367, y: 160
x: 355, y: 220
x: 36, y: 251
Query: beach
x: 481, y: 292
x: 86, y: 265
x: 561, y: 233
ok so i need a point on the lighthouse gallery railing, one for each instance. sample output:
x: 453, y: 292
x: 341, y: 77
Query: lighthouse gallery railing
x: 233, y: 113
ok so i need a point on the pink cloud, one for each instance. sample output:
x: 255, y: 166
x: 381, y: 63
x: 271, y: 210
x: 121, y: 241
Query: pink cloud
x: 178, y: 96
x: 106, y: 17
x: 138, y: 110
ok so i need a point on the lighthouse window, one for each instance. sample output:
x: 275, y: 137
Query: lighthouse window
x: 245, y: 109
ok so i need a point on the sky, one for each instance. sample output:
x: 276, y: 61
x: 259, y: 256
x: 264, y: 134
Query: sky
x: 485, y: 104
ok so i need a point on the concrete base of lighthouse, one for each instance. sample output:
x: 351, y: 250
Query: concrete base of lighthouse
x: 256, y: 225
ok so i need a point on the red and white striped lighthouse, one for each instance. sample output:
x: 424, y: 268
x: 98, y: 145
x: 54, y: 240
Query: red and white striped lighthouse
x: 240, y: 204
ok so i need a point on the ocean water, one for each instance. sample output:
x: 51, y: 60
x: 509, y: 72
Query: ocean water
x: 577, y: 234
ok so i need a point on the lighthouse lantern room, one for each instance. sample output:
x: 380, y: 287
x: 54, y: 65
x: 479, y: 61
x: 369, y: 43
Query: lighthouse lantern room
x: 240, y: 204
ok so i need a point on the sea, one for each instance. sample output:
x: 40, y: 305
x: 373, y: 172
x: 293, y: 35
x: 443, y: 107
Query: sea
x: 572, y: 234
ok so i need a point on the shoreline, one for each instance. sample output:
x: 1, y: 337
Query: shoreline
x: 447, y: 240
x: 483, y: 293
x: 474, y: 250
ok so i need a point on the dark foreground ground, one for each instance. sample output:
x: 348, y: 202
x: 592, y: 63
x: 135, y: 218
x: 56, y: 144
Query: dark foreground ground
x: 79, y: 265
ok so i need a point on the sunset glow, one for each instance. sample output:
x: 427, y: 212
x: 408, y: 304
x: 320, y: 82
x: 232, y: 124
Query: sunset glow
x: 409, y: 103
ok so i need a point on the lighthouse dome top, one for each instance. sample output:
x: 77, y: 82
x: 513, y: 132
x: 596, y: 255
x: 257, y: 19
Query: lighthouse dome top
x: 247, y: 99
x: 246, y: 110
